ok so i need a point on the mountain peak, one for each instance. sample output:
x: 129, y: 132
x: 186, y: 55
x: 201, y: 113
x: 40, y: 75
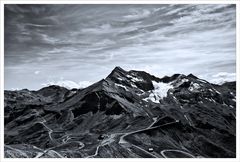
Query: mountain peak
x: 117, y: 72
x: 118, y: 68
x: 192, y: 76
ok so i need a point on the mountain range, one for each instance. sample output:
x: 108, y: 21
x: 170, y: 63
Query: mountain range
x: 129, y: 114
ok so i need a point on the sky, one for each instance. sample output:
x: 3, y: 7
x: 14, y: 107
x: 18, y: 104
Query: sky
x: 76, y: 45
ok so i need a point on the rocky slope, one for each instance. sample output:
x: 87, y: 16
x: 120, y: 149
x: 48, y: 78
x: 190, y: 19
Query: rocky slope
x: 127, y: 114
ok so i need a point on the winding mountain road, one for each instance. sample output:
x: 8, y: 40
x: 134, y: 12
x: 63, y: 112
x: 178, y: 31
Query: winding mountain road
x: 121, y: 140
x: 172, y: 150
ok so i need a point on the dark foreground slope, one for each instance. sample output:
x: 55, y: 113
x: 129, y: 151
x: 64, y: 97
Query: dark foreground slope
x: 127, y: 114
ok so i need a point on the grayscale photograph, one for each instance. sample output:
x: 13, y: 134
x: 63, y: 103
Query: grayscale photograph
x: 119, y: 80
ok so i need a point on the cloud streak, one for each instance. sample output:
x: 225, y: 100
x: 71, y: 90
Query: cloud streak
x: 85, y: 42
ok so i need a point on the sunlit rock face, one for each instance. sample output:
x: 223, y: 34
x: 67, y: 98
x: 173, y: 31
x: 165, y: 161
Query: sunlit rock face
x: 128, y: 114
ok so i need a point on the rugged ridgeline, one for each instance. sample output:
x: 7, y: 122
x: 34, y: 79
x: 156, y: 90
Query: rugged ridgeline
x: 128, y: 114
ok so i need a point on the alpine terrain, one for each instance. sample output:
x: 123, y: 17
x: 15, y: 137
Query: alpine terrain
x: 129, y: 114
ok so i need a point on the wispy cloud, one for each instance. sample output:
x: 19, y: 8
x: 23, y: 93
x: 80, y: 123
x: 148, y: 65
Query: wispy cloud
x: 69, y: 84
x: 85, y: 42
x: 223, y: 77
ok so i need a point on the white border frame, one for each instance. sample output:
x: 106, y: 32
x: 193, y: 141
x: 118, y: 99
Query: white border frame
x: 2, y: 2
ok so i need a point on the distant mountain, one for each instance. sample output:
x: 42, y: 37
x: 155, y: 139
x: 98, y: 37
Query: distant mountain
x: 127, y: 114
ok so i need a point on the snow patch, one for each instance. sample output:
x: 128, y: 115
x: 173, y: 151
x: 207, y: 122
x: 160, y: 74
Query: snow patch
x: 185, y: 80
x: 120, y: 85
x: 133, y: 85
x: 178, y: 83
x: 216, y: 91
x: 194, y: 86
x: 135, y: 79
x: 120, y: 79
x: 231, y: 106
x: 159, y: 92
